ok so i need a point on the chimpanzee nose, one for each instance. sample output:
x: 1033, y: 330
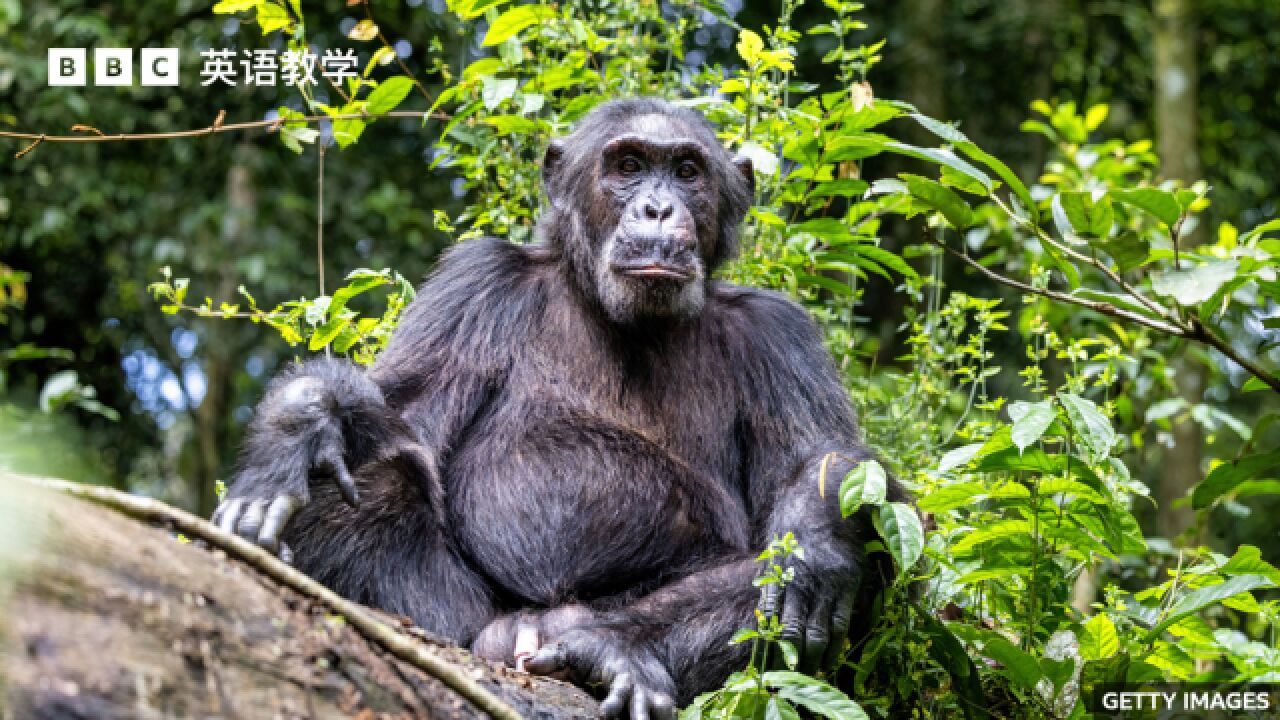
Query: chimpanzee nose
x: 655, y: 209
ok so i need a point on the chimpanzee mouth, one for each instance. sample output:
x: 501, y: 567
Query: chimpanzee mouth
x: 652, y: 270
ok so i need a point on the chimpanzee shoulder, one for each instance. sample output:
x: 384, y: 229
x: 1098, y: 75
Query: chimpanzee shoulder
x: 482, y: 298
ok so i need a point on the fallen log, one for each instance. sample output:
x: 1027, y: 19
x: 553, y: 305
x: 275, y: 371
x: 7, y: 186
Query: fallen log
x: 113, y: 605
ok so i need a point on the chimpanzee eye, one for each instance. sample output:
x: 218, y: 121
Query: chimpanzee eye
x: 687, y: 170
x: 630, y: 165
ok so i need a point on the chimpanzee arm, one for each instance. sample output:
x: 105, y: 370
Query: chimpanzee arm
x: 326, y: 419
x: 794, y: 412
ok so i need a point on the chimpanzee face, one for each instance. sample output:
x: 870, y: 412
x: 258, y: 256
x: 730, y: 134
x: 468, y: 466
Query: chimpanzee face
x: 651, y: 212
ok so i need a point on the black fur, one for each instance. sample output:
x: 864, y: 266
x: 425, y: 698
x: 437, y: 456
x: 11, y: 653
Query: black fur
x: 535, y: 438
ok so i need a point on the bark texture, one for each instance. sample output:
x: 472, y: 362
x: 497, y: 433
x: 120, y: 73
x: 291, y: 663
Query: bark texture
x: 102, y: 616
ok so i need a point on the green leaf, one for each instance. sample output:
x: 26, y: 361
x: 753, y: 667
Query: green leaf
x: 495, y: 90
x: 327, y: 332
x: 388, y: 95
x: 235, y: 6
x: 902, y: 533
x: 1254, y: 384
x: 1092, y: 427
x: 1098, y: 638
x: 865, y: 484
x: 515, y: 20
x: 1129, y: 249
x: 1019, y: 666
x: 990, y: 533
x: 512, y: 124
x: 1196, y: 285
x: 941, y: 157
x: 272, y: 17
x: 1030, y: 420
x: 789, y: 653
x: 999, y: 168
x: 1248, y: 561
x: 1197, y: 600
x: 814, y: 695
x: 779, y: 709
x: 1159, y: 203
x: 1225, y: 477
x: 949, y: 497
x: 941, y: 198
x: 958, y: 456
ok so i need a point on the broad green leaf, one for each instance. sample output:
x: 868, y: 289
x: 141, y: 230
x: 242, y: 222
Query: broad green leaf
x: 1091, y: 426
x: 1161, y: 204
x: 999, y: 168
x: 1030, y: 420
x: 272, y: 17
x: 512, y: 124
x: 949, y: 497
x: 958, y: 456
x: 1098, y: 639
x: 941, y: 198
x: 388, y: 95
x: 1019, y: 666
x: 494, y: 91
x: 1197, y: 600
x: 814, y: 695
x: 865, y: 484
x: 750, y: 45
x: 1195, y: 285
x: 235, y: 6
x: 1096, y: 115
x: 511, y: 22
x: 902, y: 533
x: 779, y: 709
x: 1225, y: 477
x: 941, y: 157
x: 1129, y: 249
x: 327, y: 332
x: 990, y: 533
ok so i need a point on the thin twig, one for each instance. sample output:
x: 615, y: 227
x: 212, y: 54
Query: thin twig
x: 398, y: 644
x: 1103, y: 307
x: 1081, y: 257
x: 211, y: 129
x: 1193, y: 329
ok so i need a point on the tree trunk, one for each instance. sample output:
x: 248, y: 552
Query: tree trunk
x: 102, y: 616
x: 1175, y: 118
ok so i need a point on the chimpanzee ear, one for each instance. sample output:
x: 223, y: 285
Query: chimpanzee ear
x: 743, y: 163
x: 551, y: 166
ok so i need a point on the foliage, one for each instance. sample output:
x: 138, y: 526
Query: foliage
x: 1032, y: 492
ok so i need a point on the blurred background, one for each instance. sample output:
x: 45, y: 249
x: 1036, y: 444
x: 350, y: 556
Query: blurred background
x: 156, y: 403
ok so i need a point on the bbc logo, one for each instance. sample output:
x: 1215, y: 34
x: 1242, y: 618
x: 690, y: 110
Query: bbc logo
x: 113, y: 66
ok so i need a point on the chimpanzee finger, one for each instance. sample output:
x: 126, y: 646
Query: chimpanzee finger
x: 230, y: 515
x: 251, y: 520
x: 329, y: 463
x: 794, y: 612
x: 817, y: 634
x: 278, y: 514
x: 639, y: 704
x: 549, y: 659
x: 769, y: 600
x: 615, y: 704
x: 662, y: 706
x: 841, y: 618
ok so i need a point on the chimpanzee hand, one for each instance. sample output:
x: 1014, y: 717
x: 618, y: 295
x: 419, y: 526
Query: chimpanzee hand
x: 639, y: 687
x: 297, y: 437
x: 817, y: 605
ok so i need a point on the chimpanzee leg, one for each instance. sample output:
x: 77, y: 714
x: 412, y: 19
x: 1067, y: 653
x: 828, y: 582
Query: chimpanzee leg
x: 393, y: 551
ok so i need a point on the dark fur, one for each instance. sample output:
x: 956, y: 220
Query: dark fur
x: 519, y: 448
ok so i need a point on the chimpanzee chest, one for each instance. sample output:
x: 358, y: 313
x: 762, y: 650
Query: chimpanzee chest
x: 578, y: 493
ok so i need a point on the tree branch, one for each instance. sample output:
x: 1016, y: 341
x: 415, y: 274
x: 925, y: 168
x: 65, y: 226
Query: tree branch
x: 1097, y: 306
x: 216, y: 127
x: 395, y: 642
x: 1192, y: 330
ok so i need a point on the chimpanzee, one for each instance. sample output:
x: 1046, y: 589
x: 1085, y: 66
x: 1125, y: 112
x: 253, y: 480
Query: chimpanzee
x: 573, y: 450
